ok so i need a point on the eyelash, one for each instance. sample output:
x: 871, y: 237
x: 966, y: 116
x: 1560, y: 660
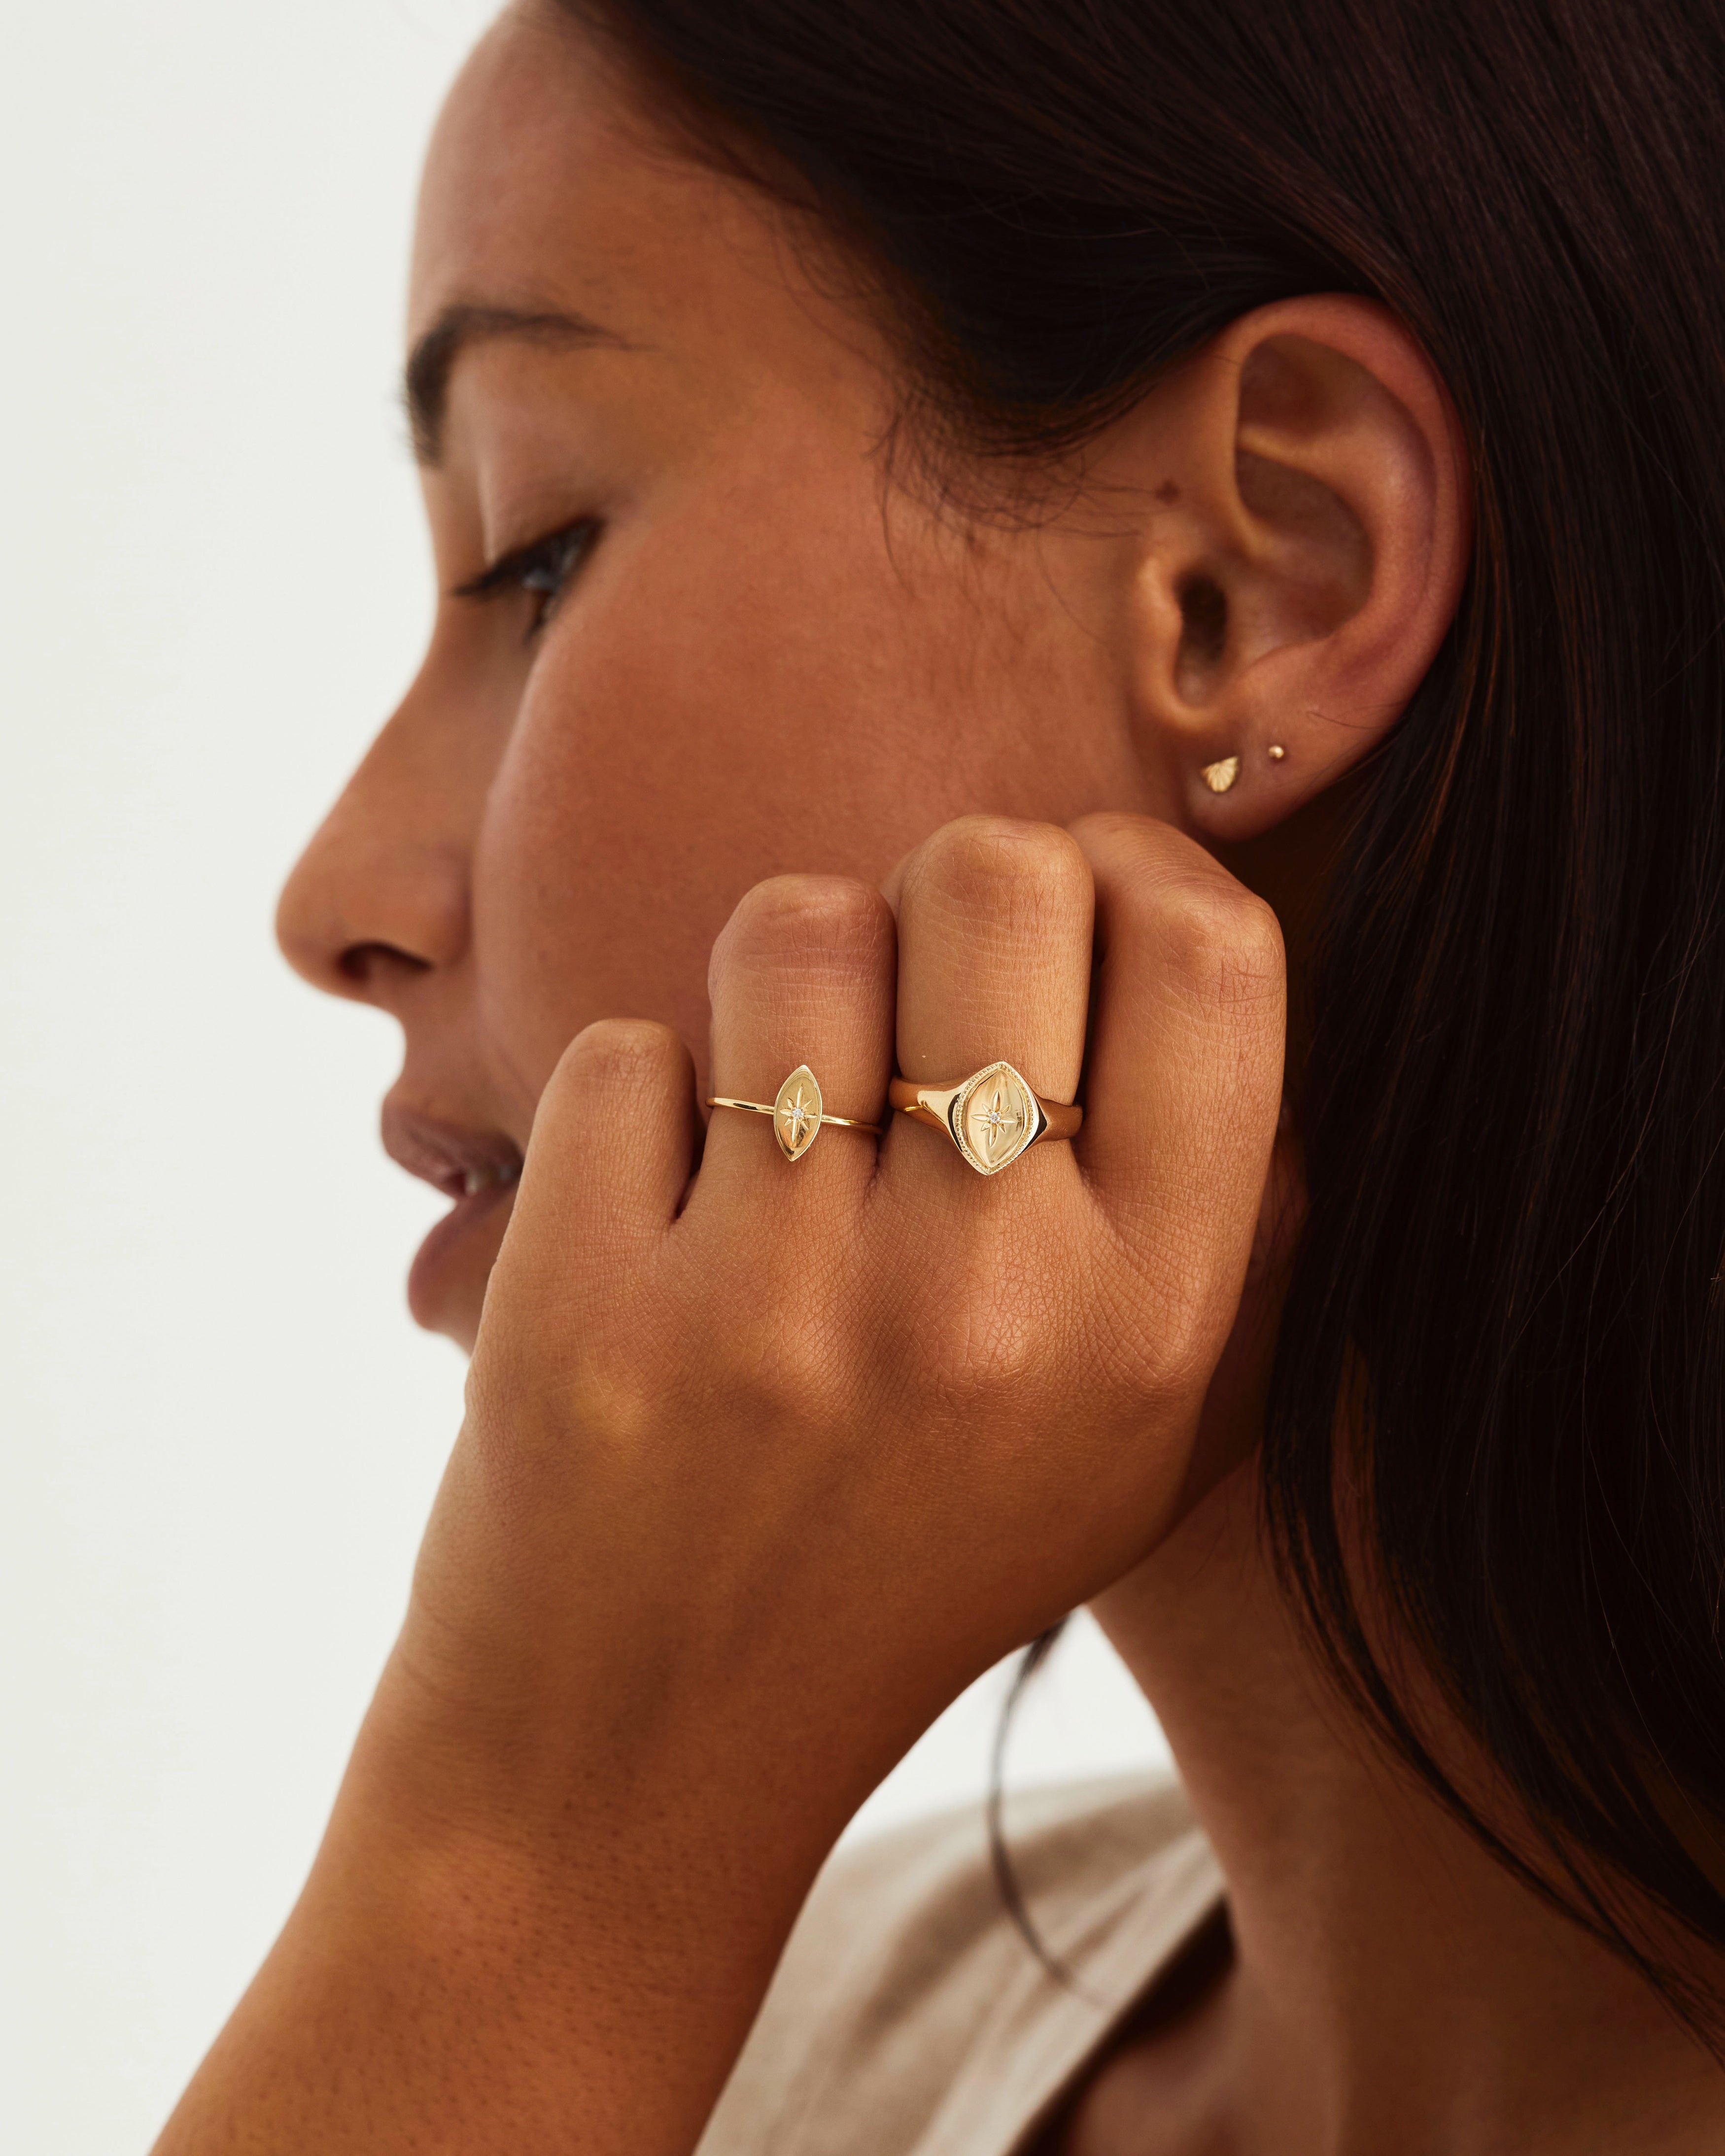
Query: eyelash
x: 544, y: 569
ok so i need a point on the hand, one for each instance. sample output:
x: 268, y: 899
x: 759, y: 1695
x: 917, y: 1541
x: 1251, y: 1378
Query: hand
x: 760, y: 1468
x: 856, y: 1427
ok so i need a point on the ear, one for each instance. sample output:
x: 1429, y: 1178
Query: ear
x: 1301, y: 558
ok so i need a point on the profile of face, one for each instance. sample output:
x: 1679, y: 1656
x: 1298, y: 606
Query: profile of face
x: 705, y: 617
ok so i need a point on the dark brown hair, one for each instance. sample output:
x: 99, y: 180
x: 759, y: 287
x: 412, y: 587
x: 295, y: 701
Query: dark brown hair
x: 1514, y: 1112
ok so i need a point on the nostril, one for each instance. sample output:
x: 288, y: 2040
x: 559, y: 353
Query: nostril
x: 367, y: 965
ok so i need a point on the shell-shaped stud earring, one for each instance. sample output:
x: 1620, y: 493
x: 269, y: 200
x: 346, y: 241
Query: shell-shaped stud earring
x: 1277, y: 752
x: 1220, y: 776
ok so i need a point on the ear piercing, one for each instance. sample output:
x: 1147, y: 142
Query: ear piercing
x: 1220, y: 776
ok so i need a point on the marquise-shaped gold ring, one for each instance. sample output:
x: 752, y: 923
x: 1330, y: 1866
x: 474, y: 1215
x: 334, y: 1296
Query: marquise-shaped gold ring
x: 797, y: 1114
x: 992, y: 1116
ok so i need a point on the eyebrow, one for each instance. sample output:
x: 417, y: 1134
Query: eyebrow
x: 425, y: 386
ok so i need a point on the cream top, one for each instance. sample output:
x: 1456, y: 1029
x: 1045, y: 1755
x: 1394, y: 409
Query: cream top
x: 908, y: 2018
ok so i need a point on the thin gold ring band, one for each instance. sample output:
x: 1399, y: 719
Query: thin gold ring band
x: 771, y: 1108
x: 993, y: 1116
x: 798, y: 1113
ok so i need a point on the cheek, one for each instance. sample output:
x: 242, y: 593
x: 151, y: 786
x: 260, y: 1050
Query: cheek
x: 731, y: 697
x: 715, y: 708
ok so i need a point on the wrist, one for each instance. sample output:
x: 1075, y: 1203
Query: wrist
x: 645, y: 1818
x: 460, y: 1972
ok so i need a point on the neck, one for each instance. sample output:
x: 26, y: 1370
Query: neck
x: 1393, y: 1986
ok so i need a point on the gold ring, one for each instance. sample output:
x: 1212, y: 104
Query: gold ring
x: 798, y: 1113
x: 992, y: 1116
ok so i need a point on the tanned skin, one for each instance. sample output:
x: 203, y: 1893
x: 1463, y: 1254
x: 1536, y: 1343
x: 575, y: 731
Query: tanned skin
x: 779, y: 755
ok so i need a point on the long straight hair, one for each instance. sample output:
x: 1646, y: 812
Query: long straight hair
x: 1513, y: 1113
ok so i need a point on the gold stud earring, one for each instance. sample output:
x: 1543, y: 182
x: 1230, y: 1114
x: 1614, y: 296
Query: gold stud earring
x: 1277, y: 752
x: 1220, y: 776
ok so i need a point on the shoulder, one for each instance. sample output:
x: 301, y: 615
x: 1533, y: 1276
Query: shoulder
x: 906, y: 1975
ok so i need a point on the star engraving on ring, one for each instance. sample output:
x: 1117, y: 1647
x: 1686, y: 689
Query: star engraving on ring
x: 799, y: 1115
x: 999, y: 1124
x: 993, y: 1116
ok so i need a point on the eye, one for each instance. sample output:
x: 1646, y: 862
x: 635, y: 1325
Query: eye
x: 542, y: 570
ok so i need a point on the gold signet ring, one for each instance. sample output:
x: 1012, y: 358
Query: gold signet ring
x: 992, y: 1116
x: 796, y: 1114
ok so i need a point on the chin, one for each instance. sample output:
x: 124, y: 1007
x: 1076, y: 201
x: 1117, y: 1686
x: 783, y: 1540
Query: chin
x: 446, y: 1287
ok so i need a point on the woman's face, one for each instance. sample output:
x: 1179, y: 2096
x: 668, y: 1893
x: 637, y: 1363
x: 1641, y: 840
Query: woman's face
x: 690, y: 631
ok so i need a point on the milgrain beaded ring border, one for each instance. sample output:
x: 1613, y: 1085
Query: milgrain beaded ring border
x: 993, y: 1116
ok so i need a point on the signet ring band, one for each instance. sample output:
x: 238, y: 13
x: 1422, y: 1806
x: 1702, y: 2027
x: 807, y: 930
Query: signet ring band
x: 798, y: 1113
x: 993, y: 1116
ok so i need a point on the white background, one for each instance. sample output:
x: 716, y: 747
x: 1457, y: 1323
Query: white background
x: 220, y: 1432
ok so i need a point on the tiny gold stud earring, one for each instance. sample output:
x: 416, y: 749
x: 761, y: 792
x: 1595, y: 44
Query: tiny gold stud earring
x: 1220, y: 776
x: 1277, y: 752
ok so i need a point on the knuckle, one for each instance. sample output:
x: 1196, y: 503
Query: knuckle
x: 821, y: 926
x: 1179, y: 1343
x: 1030, y: 873
x: 1219, y: 938
x: 1257, y: 940
x: 532, y: 1395
x: 984, y: 1339
x: 615, y: 1055
x: 1162, y: 1313
x: 789, y: 1372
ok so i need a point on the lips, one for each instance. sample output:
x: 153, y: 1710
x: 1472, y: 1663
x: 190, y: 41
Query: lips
x: 479, y: 1170
x: 461, y: 1162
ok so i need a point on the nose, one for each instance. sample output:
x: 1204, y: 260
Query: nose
x: 380, y: 896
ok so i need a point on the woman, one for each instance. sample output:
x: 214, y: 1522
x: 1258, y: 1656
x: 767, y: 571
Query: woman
x: 1158, y: 493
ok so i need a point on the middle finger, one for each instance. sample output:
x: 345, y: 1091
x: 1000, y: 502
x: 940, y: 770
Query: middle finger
x: 994, y: 922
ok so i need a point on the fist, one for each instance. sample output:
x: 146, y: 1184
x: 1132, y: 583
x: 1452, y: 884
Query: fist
x: 793, y: 1450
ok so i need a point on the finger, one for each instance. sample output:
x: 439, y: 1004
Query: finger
x: 995, y: 956
x: 613, y: 1144
x: 1188, y: 1031
x: 802, y: 974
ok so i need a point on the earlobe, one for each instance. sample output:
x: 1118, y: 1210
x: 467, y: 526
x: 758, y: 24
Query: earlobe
x: 1305, y: 560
